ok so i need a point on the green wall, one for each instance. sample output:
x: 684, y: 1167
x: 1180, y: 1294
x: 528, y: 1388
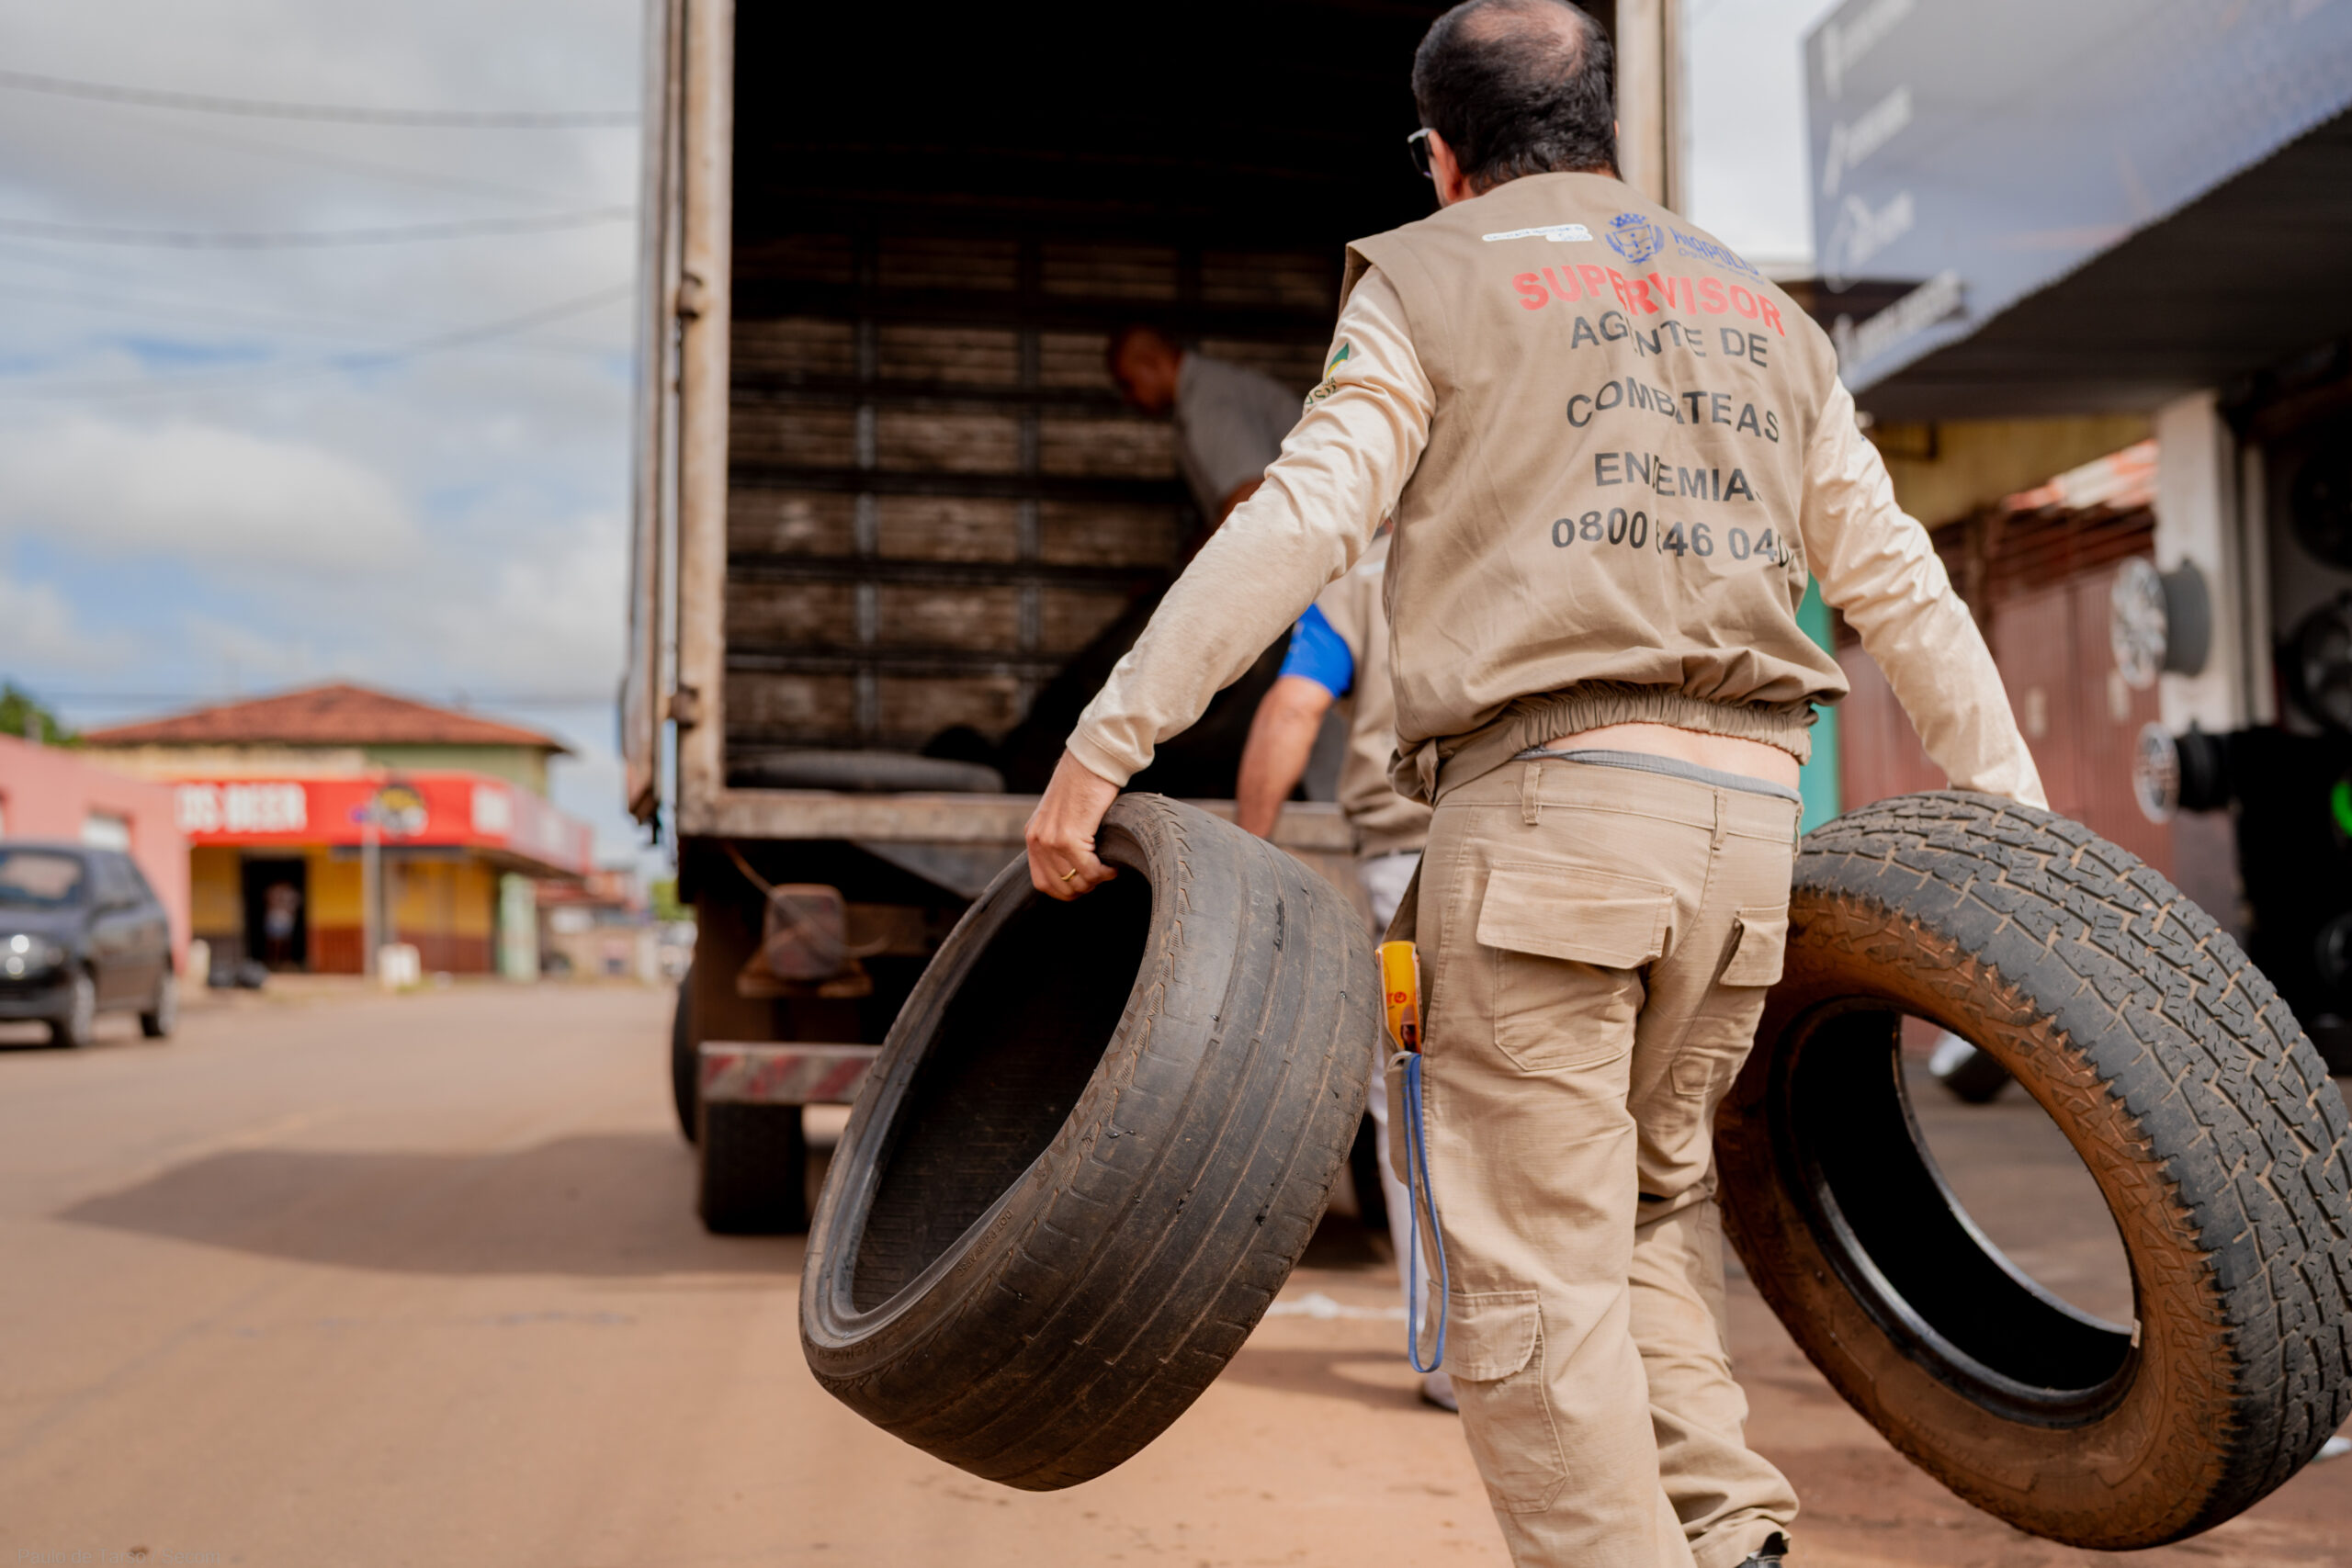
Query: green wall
x: 1818, y: 783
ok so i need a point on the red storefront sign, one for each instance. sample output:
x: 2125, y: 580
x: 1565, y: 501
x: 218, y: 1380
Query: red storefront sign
x: 435, y: 810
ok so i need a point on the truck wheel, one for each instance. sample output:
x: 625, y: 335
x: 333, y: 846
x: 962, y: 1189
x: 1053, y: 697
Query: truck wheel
x: 686, y: 1066
x: 74, y: 1031
x: 164, y: 1015
x: 2179, y: 1077
x: 755, y: 1164
x: 1093, y: 1149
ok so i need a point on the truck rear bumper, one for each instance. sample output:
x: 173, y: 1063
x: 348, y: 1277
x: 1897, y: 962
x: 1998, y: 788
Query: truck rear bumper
x: 739, y: 1072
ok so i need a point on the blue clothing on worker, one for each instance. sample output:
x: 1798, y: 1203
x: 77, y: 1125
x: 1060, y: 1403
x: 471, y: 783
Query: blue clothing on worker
x: 1320, y: 653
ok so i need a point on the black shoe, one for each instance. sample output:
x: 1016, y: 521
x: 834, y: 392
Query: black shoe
x: 1773, y: 1553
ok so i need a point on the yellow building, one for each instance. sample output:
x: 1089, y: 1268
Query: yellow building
x: 296, y: 806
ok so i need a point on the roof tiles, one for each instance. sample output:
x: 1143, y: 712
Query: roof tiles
x: 338, y: 713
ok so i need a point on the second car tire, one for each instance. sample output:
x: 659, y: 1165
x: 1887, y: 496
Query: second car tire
x: 685, y: 1062
x: 1095, y: 1144
x: 2178, y: 1077
x: 162, y: 1015
x: 81, y: 1020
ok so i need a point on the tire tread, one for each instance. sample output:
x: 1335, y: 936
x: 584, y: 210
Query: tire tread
x: 2242, y: 1128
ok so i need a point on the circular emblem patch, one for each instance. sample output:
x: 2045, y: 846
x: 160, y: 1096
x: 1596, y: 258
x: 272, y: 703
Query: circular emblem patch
x: 1634, y: 237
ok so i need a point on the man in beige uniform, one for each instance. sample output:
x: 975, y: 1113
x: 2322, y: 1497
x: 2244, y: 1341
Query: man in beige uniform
x: 1614, y: 454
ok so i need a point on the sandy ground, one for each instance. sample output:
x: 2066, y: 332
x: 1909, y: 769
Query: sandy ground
x: 337, y: 1278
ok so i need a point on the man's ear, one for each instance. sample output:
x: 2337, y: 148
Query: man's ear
x: 1445, y: 173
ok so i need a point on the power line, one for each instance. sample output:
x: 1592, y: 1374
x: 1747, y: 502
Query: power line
x: 256, y: 323
x: 181, y: 134
x: 489, y: 330
x: 248, y: 376
x: 250, y: 317
x: 338, y: 114
x: 231, y: 240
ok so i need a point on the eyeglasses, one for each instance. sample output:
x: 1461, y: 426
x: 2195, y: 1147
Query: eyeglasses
x: 1418, y: 147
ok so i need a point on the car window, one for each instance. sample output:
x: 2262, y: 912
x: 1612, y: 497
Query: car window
x: 135, y: 883
x: 39, y: 879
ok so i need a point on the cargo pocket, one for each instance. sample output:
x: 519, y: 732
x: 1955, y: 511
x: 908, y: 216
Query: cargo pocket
x: 1563, y: 942
x: 1495, y: 1352
x: 1763, y: 937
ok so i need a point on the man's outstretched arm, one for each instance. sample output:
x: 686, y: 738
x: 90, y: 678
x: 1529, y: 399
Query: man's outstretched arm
x: 1281, y: 738
x: 1878, y: 567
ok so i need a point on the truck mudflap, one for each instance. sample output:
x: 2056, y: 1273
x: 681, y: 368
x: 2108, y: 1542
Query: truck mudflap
x: 794, y: 1073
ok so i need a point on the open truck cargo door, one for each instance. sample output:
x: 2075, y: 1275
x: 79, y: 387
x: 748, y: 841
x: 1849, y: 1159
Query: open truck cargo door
x: 644, y: 691
x: 893, y: 518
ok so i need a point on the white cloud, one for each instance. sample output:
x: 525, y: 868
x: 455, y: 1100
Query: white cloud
x: 38, y: 630
x: 550, y: 617
x: 201, y: 494
x: 482, y: 549
x: 225, y: 658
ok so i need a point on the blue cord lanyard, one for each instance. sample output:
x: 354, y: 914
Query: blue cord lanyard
x: 1417, y: 1191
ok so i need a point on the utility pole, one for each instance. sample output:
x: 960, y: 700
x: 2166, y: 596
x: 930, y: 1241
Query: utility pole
x: 1649, y: 95
x: 370, y: 890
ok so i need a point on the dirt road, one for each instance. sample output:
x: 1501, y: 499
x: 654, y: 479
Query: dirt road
x: 390, y: 1281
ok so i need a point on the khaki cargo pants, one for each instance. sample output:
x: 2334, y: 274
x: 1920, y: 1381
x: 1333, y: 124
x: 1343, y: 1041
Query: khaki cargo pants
x: 1596, y: 943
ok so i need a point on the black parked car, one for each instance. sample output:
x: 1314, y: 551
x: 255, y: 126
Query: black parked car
x: 82, y: 933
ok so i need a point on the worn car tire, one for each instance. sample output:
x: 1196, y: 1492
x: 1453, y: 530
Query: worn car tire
x: 754, y: 1164
x: 1095, y: 1144
x: 79, y: 1025
x: 2175, y: 1073
x: 686, y: 1064
x: 162, y: 1015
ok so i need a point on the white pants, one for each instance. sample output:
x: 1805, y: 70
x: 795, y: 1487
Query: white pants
x: 1385, y: 879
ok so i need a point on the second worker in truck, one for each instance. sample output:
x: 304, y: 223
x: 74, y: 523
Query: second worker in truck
x: 1615, y: 452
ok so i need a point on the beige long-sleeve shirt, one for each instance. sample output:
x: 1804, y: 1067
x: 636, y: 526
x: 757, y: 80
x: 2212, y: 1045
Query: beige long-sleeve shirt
x: 1347, y: 461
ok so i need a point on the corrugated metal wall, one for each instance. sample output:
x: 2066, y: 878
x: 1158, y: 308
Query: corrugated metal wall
x: 2046, y: 582
x: 937, y: 496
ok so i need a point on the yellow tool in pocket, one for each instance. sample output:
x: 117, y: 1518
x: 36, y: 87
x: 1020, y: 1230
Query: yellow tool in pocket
x: 1400, y: 991
x: 1400, y: 995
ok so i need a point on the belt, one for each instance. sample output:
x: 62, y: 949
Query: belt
x: 1671, y: 767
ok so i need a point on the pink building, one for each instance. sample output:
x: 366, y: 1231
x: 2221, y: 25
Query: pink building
x: 51, y: 792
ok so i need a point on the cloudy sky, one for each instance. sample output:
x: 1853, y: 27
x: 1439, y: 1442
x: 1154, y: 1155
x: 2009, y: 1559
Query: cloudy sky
x: 233, y: 466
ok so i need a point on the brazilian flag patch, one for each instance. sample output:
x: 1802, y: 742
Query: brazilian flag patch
x: 1331, y: 376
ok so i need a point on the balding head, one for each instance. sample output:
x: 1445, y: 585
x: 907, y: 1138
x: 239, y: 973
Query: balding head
x: 1518, y: 87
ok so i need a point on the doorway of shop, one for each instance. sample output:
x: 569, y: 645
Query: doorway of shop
x: 277, y: 912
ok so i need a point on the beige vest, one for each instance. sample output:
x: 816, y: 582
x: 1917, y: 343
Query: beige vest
x: 1606, y: 526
